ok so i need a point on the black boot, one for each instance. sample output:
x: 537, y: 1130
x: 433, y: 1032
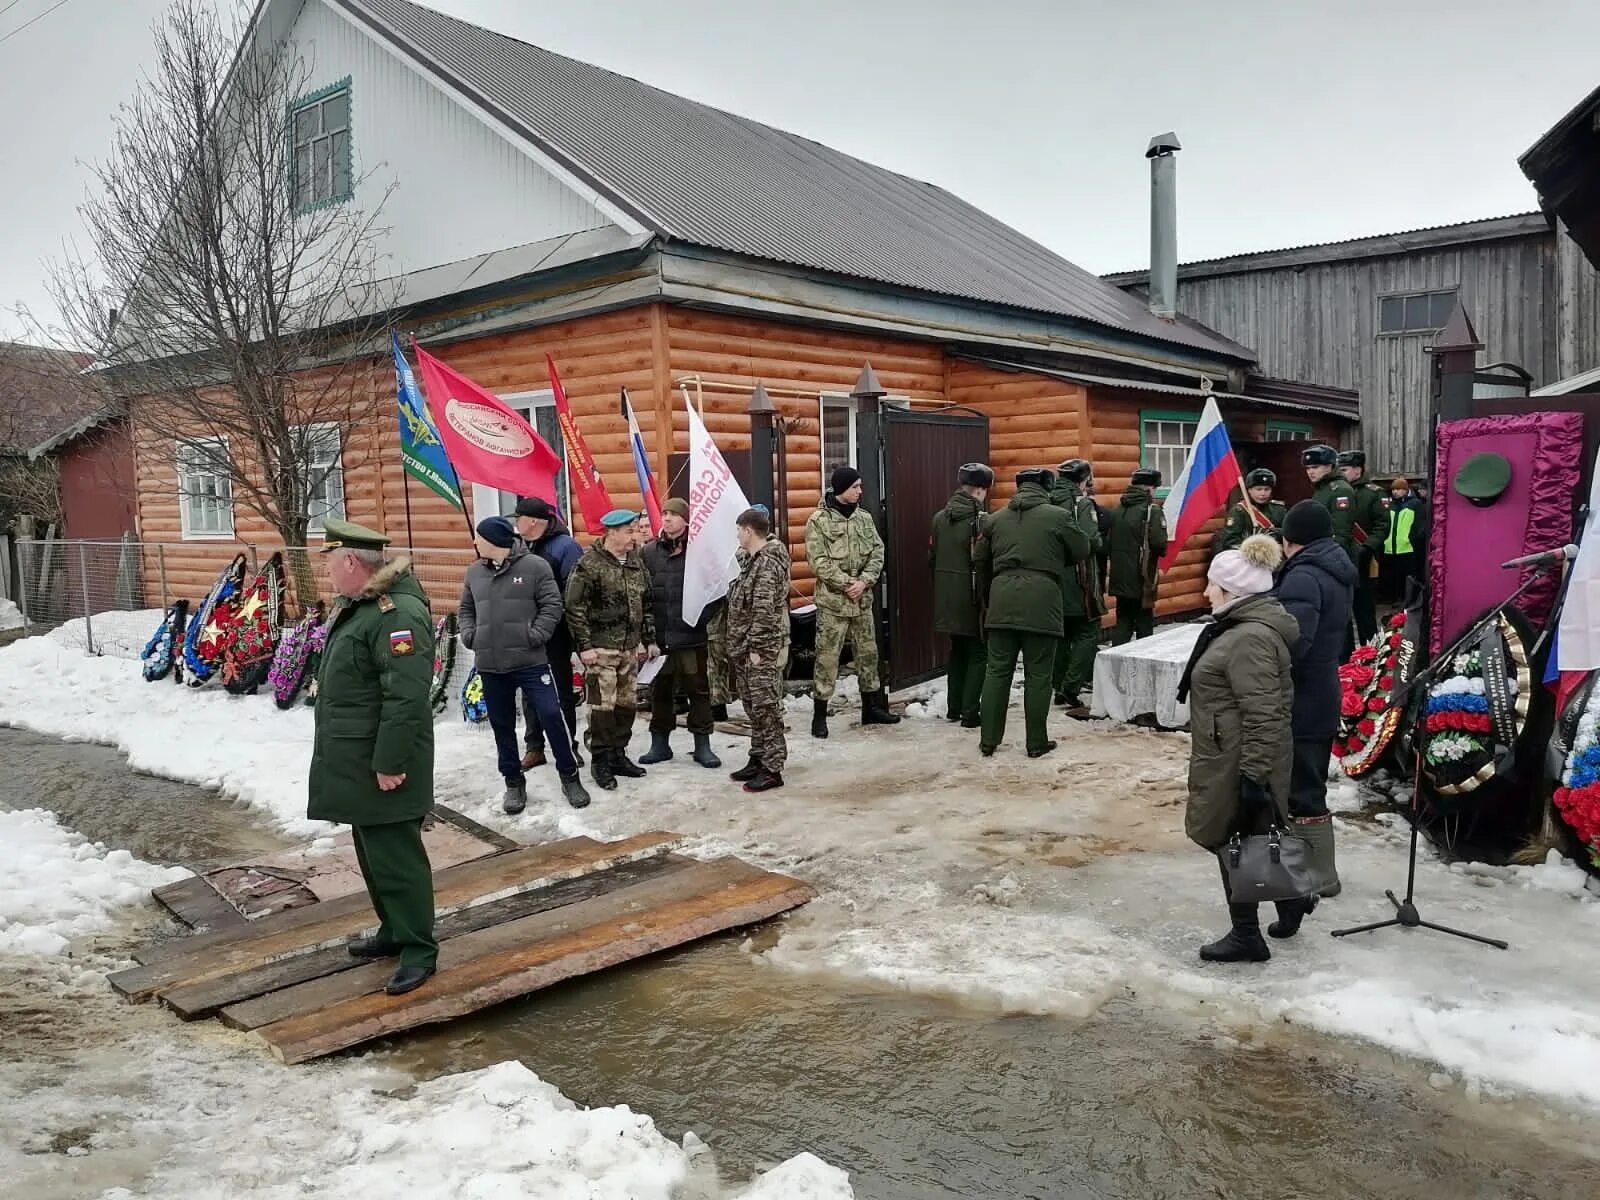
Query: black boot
x: 819, y: 718
x: 875, y: 709
x: 764, y: 781
x: 600, y: 769
x: 703, y: 753
x: 747, y: 772
x: 660, y: 749
x: 516, y: 798
x: 408, y: 979
x: 572, y: 788
x: 371, y: 947
x: 624, y: 766
x: 1290, y: 914
x: 1042, y: 750
x: 719, y: 712
x: 1242, y: 943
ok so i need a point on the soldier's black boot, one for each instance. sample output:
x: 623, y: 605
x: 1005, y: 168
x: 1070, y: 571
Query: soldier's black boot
x: 1290, y: 914
x: 371, y: 947
x: 1242, y: 943
x: 764, y: 781
x: 600, y: 769
x: 747, y: 772
x: 516, y: 798
x: 719, y: 712
x: 819, y: 718
x: 875, y: 709
x: 572, y: 788
x: 624, y: 766
x: 660, y: 749
x: 703, y: 753
x: 408, y: 979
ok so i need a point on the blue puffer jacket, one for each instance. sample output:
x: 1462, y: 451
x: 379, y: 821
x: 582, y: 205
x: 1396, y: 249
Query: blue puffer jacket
x: 1317, y: 586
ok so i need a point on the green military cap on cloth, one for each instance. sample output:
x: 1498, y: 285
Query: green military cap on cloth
x: 618, y: 517
x: 1483, y: 477
x: 347, y: 535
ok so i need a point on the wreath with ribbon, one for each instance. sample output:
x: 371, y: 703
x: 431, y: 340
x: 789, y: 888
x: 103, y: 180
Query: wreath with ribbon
x: 249, y: 643
x: 1475, y: 712
x: 1577, y: 795
x: 319, y: 643
x: 203, y: 643
x: 474, y: 707
x: 1371, y: 686
x: 287, y: 674
x: 161, y: 653
x: 444, y: 662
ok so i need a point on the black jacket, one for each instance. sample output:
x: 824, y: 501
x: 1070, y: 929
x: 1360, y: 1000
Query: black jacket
x: 558, y: 548
x: 666, y: 597
x: 509, y: 612
x: 1317, y: 586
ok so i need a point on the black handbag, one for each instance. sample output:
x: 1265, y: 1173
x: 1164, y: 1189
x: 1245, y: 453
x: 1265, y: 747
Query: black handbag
x: 1267, y: 866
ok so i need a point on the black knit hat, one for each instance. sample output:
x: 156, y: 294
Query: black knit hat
x: 1306, y: 522
x: 975, y: 474
x: 843, y: 479
x: 497, y: 531
x: 1076, y: 470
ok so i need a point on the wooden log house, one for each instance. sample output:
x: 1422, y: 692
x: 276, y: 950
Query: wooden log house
x: 652, y: 243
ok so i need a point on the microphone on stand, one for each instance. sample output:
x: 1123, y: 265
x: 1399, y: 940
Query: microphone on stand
x: 1567, y: 552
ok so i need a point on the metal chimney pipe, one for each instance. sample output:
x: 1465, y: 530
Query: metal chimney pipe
x: 1164, y: 225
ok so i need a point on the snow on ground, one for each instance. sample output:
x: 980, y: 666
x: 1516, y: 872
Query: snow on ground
x: 10, y: 615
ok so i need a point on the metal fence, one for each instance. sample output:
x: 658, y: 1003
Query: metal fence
x: 56, y: 583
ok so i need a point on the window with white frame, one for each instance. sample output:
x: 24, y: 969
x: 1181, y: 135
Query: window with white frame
x: 320, y: 126
x: 324, y: 467
x: 538, y: 409
x: 838, y: 420
x: 205, y: 489
x: 1164, y: 441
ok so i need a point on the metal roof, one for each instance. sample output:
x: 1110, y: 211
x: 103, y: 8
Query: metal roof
x: 694, y: 173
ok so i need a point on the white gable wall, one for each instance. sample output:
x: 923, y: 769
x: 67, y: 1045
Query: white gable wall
x: 461, y: 189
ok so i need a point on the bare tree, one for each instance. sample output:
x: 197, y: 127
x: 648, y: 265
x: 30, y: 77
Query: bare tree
x: 232, y: 286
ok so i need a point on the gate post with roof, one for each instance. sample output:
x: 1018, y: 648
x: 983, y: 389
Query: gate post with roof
x: 762, y: 486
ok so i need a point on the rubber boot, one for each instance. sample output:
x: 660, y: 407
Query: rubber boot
x: 703, y: 753
x: 600, y: 769
x: 624, y: 766
x: 764, y: 781
x: 875, y: 709
x: 1318, y: 831
x: 516, y: 798
x: 572, y: 788
x: 1242, y: 943
x: 819, y: 718
x: 747, y: 772
x: 660, y: 749
x: 1290, y: 914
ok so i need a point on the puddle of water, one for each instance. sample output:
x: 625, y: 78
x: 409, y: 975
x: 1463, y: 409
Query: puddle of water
x: 94, y: 791
x: 920, y: 1100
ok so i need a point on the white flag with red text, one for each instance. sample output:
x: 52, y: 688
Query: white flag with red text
x: 715, y: 502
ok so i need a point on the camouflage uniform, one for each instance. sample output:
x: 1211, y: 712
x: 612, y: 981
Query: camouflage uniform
x: 758, y: 623
x: 608, y: 611
x: 717, y: 672
x: 842, y: 549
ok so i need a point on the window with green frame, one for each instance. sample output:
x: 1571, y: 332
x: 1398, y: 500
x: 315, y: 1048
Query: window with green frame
x: 319, y: 125
x: 1164, y: 441
x: 1289, y: 431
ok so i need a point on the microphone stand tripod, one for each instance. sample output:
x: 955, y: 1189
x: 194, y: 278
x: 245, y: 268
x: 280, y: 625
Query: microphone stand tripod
x: 1406, y: 914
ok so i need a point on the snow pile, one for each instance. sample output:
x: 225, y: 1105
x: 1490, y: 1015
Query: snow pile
x: 10, y: 615
x: 115, y: 634
x: 59, y: 886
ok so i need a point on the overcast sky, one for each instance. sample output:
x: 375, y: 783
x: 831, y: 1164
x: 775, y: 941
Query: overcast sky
x: 1301, y: 122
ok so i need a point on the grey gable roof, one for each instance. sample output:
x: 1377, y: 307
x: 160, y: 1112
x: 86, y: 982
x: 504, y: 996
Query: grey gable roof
x: 696, y: 174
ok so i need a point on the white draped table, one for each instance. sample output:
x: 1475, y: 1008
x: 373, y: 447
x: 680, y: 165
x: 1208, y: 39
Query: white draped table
x: 1142, y: 676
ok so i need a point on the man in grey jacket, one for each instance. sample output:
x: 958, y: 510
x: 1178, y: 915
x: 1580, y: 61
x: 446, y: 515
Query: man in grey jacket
x: 510, y: 607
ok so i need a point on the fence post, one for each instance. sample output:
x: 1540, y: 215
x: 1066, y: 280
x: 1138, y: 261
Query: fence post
x: 161, y: 558
x: 22, y: 580
x: 83, y: 588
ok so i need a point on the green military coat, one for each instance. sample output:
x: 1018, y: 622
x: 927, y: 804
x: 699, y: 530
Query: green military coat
x: 841, y: 549
x: 1138, y: 540
x: 1030, y: 546
x: 956, y: 530
x: 1241, y: 525
x: 1372, y: 515
x: 1081, y: 587
x: 1339, y: 498
x: 372, y: 713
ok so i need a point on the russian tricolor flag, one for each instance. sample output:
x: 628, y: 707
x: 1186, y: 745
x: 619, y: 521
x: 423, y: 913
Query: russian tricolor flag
x: 1202, y: 487
x: 641, y: 465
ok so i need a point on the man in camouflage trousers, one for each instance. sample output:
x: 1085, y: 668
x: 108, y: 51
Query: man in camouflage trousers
x: 608, y: 611
x: 758, y: 646
x: 1082, y: 606
x: 846, y: 555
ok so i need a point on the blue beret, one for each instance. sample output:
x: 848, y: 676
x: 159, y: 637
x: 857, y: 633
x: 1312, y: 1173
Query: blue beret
x: 618, y: 517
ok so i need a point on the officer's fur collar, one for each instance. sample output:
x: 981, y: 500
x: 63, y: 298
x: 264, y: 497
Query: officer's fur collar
x: 384, y: 578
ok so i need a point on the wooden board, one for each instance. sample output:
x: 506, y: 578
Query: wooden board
x: 333, y: 922
x: 509, y: 960
x: 206, y: 997
x: 196, y: 903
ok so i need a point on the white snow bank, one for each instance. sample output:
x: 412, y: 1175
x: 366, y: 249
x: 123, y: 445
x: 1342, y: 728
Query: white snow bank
x: 115, y: 634
x: 10, y: 615
x: 58, y: 886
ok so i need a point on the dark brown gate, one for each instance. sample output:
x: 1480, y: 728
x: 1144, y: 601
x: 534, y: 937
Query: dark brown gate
x: 922, y: 451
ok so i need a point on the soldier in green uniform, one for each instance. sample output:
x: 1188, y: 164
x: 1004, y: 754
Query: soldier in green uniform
x: 372, y: 752
x: 1030, y: 547
x: 1138, y: 540
x: 1331, y: 491
x: 1370, y: 529
x: 1259, y: 485
x: 608, y: 611
x: 1082, y: 606
x: 957, y: 605
x: 846, y: 556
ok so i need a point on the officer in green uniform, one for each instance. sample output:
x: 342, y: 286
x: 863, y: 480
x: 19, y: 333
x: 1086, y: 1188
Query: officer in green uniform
x: 1082, y: 606
x: 1259, y: 485
x: 372, y: 753
x: 1138, y: 539
x: 608, y: 611
x: 1329, y: 489
x: 1370, y: 530
x: 957, y: 604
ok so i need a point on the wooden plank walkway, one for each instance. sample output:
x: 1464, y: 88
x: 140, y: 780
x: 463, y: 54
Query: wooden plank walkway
x: 509, y: 924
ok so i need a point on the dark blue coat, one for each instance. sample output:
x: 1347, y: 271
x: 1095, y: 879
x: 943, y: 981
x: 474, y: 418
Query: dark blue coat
x: 558, y: 548
x: 1317, y: 586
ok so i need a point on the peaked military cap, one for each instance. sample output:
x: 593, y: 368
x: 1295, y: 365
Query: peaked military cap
x: 1483, y: 477
x: 1320, y: 456
x: 618, y: 517
x: 347, y: 535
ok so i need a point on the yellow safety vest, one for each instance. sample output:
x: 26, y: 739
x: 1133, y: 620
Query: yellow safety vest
x: 1401, y: 521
